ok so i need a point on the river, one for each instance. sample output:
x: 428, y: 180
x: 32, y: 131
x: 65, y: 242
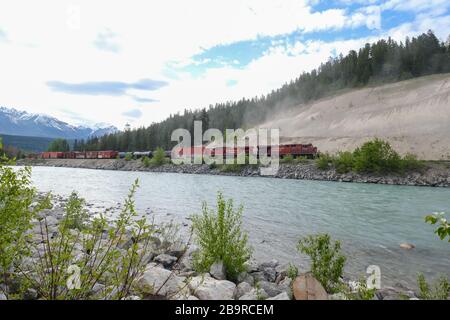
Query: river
x: 370, y: 220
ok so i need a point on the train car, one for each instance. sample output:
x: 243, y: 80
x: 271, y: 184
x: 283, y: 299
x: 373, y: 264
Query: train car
x: 80, y: 155
x: 52, y: 155
x: 107, y: 154
x: 141, y: 154
x: 91, y: 154
x: 69, y: 155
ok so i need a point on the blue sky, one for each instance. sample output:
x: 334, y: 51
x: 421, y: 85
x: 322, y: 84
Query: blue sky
x: 137, y: 62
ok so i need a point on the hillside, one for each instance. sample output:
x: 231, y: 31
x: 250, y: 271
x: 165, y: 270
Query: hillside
x: 31, y: 144
x: 413, y: 115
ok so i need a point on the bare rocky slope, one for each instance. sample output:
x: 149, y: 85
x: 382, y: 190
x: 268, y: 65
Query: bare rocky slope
x: 413, y: 115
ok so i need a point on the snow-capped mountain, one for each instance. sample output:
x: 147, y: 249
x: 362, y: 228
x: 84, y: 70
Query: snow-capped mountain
x: 21, y: 123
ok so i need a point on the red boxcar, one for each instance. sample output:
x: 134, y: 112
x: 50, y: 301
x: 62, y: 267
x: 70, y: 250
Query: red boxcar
x: 69, y: 155
x: 52, y: 155
x: 107, y: 154
x: 91, y: 154
x: 80, y: 155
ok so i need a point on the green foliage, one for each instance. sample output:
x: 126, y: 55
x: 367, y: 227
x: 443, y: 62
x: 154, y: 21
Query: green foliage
x: 439, y: 290
x: 287, y: 159
x: 410, y: 163
x: 59, y: 145
x: 16, y: 212
x: 327, y: 262
x: 232, y: 168
x: 146, y: 161
x: 323, y: 161
x: 363, y: 292
x: 443, y: 229
x: 376, y: 156
x: 159, y: 157
x: 128, y: 156
x: 220, y: 238
x: 76, y: 214
x: 112, y: 254
x: 343, y: 162
x: 292, y: 271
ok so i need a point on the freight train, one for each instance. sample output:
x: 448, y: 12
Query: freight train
x: 294, y: 150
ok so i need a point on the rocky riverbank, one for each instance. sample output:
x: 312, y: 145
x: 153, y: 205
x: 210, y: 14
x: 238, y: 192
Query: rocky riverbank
x: 435, y: 174
x: 169, y: 274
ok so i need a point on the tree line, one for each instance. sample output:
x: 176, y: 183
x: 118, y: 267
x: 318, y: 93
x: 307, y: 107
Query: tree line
x: 380, y: 62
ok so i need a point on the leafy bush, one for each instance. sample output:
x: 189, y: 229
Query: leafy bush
x: 440, y: 290
x: 323, y: 161
x: 159, y: 157
x: 234, y: 168
x: 76, y: 213
x: 363, y: 292
x: 292, y: 271
x: 376, y: 156
x: 220, y: 238
x: 443, y: 230
x: 410, y: 163
x: 128, y: 156
x: 287, y: 159
x: 343, y: 162
x: 327, y: 262
x: 146, y: 161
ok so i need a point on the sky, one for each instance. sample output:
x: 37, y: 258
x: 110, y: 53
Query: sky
x: 137, y: 62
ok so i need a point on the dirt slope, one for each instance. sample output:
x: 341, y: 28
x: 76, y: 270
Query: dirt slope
x: 413, y: 115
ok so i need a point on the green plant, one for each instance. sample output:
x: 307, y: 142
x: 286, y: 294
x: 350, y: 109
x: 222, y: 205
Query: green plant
x: 323, y: 161
x: 440, y: 290
x: 76, y: 213
x: 363, y: 292
x: 292, y: 271
x: 343, y: 162
x: 443, y: 230
x: 146, y: 161
x: 128, y: 156
x: 287, y: 159
x: 376, y: 156
x: 231, y: 168
x: 327, y: 262
x: 220, y: 238
x: 159, y: 157
x: 410, y: 163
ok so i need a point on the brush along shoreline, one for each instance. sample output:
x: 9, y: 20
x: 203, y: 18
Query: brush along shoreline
x: 434, y: 174
x: 169, y: 272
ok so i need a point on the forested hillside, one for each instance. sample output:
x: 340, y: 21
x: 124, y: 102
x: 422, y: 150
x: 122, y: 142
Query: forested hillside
x: 381, y: 62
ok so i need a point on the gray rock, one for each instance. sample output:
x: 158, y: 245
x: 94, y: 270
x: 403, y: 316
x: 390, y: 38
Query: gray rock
x: 207, y: 288
x: 242, y: 289
x: 30, y: 294
x: 218, y: 271
x: 270, y: 274
x: 270, y: 288
x: 281, y: 296
x: 154, y: 281
x: 3, y: 297
x: 166, y: 260
x: 245, y: 277
x: 269, y: 264
x: 337, y: 296
x: 255, y: 294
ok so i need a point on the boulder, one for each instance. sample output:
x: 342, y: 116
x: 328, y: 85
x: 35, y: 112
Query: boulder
x: 166, y: 260
x: 206, y: 288
x: 269, y: 264
x: 241, y: 289
x: 218, y: 271
x: 407, y: 246
x: 306, y: 287
x: 3, y: 297
x: 281, y: 296
x: 255, y: 294
x: 270, y: 288
x: 153, y: 281
x: 245, y: 277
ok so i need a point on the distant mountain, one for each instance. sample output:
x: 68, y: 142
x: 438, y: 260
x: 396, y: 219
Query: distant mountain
x: 31, y: 144
x: 21, y: 123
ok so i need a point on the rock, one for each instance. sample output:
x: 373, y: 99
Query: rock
x: 407, y: 246
x: 245, y: 277
x: 337, y: 296
x: 251, y: 266
x: 3, y: 297
x: 285, y: 285
x: 255, y: 294
x: 218, y: 271
x: 270, y: 288
x: 30, y: 294
x: 270, y: 264
x: 387, y: 293
x: 306, y: 287
x: 153, y: 279
x: 132, y: 298
x: 241, y: 289
x: 270, y: 274
x: 98, y: 288
x: 281, y: 296
x: 192, y: 298
x: 166, y: 260
x: 207, y: 288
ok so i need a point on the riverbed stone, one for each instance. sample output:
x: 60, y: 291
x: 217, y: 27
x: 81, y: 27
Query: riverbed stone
x: 166, y: 260
x: 3, y: 297
x: 407, y: 246
x: 270, y: 288
x: 207, y: 288
x: 218, y: 271
x: 281, y: 296
x: 241, y: 289
x: 154, y: 280
x: 246, y: 277
x: 255, y: 294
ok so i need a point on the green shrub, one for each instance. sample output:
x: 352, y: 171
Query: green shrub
x: 76, y: 213
x: 410, y: 163
x: 128, y: 156
x: 327, y: 262
x: 220, y: 238
x: 159, y: 157
x: 292, y: 271
x: 376, y: 156
x: 287, y: 159
x: 323, y: 161
x: 343, y: 162
x: 440, y: 290
x: 363, y: 292
x: 146, y: 161
x: 235, y: 168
